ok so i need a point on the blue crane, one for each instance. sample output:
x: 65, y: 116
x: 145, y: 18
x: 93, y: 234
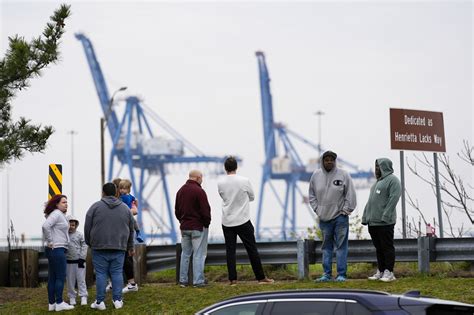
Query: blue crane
x: 289, y: 166
x: 146, y: 156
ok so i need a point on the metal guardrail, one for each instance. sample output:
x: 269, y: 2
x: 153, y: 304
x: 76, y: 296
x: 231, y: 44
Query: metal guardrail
x: 164, y: 257
x: 454, y: 249
x: 305, y: 252
x: 364, y: 251
x: 422, y: 250
x: 42, y: 267
x: 160, y: 257
x: 270, y: 253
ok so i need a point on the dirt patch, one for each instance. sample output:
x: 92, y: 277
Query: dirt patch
x: 9, y: 295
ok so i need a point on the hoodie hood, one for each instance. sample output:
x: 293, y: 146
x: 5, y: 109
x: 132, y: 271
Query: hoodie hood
x: 321, y: 162
x: 111, y: 201
x: 72, y: 218
x: 385, y: 166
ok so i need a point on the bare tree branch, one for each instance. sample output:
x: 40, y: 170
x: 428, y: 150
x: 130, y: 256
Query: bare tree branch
x: 467, y: 153
x: 456, y: 196
x: 415, y: 205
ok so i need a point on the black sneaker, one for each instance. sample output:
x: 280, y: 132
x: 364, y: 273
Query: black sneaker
x: 183, y: 285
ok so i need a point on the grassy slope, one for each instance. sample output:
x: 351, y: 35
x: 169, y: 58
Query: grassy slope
x: 162, y: 296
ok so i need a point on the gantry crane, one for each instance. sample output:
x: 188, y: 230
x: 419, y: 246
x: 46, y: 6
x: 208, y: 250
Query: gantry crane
x: 146, y: 156
x: 287, y: 167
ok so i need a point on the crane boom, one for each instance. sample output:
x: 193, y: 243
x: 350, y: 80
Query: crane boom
x: 267, y: 107
x: 100, y: 84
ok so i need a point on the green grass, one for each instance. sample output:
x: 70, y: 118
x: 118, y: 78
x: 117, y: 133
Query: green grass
x: 161, y: 296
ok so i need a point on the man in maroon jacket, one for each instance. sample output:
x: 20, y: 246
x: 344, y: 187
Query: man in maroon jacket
x: 194, y: 215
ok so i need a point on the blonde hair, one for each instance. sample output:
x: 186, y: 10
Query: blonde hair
x: 125, y: 184
x: 117, y: 181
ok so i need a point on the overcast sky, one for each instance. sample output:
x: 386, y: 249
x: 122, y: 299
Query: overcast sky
x: 194, y: 63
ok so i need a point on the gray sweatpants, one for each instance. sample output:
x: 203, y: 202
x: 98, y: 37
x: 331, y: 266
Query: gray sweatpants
x: 73, y: 274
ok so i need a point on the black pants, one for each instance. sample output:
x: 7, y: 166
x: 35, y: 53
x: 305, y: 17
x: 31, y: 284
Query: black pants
x: 246, y: 234
x: 382, y: 238
x: 128, y: 266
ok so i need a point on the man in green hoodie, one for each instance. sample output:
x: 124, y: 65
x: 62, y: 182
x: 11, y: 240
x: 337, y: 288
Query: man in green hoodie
x: 380, y: 214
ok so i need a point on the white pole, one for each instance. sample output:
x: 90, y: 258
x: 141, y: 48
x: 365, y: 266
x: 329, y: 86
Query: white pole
x: 72, y: 133
x: 8, y: 202
x: 319, y: 113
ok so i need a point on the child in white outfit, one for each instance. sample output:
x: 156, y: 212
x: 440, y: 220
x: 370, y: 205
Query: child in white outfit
x: 76, y: 263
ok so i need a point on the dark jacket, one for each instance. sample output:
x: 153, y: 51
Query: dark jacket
x: 192, y: 208
x: 383, y: 198
x: 109, y: 225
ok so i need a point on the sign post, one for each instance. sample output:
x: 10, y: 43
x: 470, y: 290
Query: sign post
x: 420, y: 131
x: 402, y: 180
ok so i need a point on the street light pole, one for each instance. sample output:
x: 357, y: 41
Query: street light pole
x: 8, y: 201
x: 319, y: 113
x: 103, y: 123
x: 72, y: 133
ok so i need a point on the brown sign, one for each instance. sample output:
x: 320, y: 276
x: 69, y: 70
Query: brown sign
x: 417, y: 130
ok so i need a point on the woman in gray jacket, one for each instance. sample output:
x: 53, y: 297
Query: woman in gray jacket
x: 56, y: 237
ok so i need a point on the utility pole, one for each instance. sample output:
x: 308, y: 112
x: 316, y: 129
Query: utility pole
x: 72, y: 133
x: 319, y: 113
x: 8, y: 201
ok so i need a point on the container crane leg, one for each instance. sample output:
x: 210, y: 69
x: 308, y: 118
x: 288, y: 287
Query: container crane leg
x: 168, y: 204
x: 260, y: 203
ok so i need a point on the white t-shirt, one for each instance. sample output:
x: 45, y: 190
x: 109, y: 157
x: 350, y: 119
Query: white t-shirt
x: 236, y: 193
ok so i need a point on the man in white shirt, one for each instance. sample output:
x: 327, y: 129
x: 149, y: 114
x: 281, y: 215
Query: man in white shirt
x: 236, y: 193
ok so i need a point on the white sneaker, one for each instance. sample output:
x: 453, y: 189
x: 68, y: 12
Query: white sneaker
x: 72, y: 301
x: 100, y: 306
x: 387, y: 276
x: 108, y: 287
x: 84, y: 300
x: 118, y: 304
x: 52, y: 307
x: 376, y: 276
x: 130, y: 288
x: 63, y: 307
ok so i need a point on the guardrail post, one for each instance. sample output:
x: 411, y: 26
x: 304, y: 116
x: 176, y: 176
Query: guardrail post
x: 425, y: 253
x: 139, y: 264
x: 302, y: 258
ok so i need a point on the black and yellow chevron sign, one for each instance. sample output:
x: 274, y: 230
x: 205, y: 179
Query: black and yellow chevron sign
x: 55, y: 180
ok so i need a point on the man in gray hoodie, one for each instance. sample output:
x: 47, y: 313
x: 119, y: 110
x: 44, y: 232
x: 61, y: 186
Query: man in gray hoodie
x: 332, y: 196
x: 109, y: 232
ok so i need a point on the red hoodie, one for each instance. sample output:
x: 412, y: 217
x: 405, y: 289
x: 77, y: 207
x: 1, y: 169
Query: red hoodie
x: 192, y: 208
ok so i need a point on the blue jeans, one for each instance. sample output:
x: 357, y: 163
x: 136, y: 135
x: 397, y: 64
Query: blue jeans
x: 335, y: 234
x: 194, y: 243
x: 108, y: 262
x: 56, y: 273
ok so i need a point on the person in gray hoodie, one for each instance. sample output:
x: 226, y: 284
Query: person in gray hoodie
x: 380, y: 215
x: 109, y: 232
x: 332, y: 196
x: 76, y: 263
